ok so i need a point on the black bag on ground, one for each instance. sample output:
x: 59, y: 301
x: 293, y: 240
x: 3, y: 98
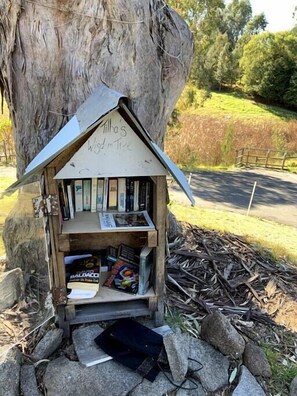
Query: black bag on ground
x: 133, y: 345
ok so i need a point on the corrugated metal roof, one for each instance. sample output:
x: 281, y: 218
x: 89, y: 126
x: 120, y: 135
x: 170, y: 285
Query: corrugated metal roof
x: 101, y: 102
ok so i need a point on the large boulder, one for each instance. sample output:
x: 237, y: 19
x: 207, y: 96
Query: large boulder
x: 247, y: 385
x: 256, y: 361
x: 48, y: 344
x: 28, y: 381
x: 11, y: 287
x: 208, y: 365
x: 217, y: 330
x: 10, y: 363
x: 63, y: 377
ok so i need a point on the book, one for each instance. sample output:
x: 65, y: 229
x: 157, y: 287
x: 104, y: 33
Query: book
x: 63, y: 200
x: 122, y: 194
x: 127, y: 254
x: 94, y: 195
x: 86, y: 194
x: 78, y: 195
x: 105, y: 194
x: 125, y: 221
x: 145, y: 268
x: 142, y: 195
x: 136, y: 196
x: 70, y: 201
x: 100, y: 188
x: 84, y: 275
x: 112, y: 194
x: 124, y: 277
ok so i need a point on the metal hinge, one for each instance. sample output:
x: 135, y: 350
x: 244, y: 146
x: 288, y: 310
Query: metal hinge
x: 45, y: 205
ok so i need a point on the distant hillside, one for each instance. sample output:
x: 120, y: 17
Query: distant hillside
x: 209, y: 133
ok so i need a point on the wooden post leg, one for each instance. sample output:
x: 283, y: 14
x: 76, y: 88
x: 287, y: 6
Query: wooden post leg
x: 62, y: 322
x: 159, y: 314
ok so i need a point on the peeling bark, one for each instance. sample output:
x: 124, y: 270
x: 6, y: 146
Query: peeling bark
x: 53, y: 53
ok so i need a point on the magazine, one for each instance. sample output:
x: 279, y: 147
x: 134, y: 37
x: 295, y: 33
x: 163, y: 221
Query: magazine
x: 124, y: 277
x: 123, y: 221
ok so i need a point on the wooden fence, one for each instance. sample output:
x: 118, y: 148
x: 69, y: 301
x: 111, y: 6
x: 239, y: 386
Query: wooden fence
x: 8, y: 159
x: 267, y: 158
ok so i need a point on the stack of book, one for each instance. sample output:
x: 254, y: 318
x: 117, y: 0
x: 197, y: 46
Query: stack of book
x: 124, y: 194
x: 131, y: 272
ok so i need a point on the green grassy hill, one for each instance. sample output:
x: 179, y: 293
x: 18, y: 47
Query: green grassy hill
x: 209, y: 132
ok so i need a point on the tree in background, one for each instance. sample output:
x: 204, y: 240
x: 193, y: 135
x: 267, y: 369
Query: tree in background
x: 6, y: 140
x: 220, y: 31
x: 269, y: 65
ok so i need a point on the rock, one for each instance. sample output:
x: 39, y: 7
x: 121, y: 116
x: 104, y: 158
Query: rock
x: 256, y: 361
x: 174, y: 229
x: 248, y: 385
x: 217, y: 330
x: 10, y: 363
x: 161, y: 386
x: 293, y: 387
x: 11, y: 287
x: 85, y: 347
x: 198, y: 391
x: 48, y: 344
x: 214, y: 372
x: 28, y: 381
x: 177, y: 347
x: 63, y: 377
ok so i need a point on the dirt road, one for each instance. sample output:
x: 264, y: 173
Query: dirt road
x: 275, y: 195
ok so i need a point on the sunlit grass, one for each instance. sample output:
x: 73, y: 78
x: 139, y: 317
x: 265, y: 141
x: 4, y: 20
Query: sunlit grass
x: 279, y: 239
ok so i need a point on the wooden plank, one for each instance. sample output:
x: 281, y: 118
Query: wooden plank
x: 152, y: 238
x: 108, y: 311
x: 106, y: 295
x: 100, y: 241
x: 59, y: 280
x: 63, y: 243
x: 160, y: 215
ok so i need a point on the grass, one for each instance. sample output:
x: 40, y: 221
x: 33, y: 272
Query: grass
x: 279, y: 239
x: 236, y: 105
x: 6, y: 204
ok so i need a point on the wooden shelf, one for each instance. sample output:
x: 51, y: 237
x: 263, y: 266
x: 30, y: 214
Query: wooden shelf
x: 107, y: 294
x: 88, y: 222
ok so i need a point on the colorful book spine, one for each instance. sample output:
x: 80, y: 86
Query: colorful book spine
x: 112, y: 194
x: 122, y: 194
x: 100, y: 190
x: 70, y: 201
x: 86, y: 194
x: 78, y: 195
x: 105, y: 194
x: 94, y: 195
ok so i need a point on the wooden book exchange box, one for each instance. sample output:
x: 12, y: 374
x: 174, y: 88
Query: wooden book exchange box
x: 100, y: 169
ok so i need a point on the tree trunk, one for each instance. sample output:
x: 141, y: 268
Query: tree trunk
x: 53, y: 53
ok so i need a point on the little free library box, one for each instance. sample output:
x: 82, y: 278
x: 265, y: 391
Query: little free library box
x: 104, y: 194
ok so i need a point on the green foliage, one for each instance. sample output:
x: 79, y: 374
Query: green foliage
x: 269, y: 67
x: 283, y: 371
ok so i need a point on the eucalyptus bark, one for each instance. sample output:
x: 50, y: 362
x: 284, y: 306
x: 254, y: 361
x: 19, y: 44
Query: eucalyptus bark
x: 54, y: 53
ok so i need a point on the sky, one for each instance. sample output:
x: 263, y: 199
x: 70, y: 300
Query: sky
x: 278, y: 13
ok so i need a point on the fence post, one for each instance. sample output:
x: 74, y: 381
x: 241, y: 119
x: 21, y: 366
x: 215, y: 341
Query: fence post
x: 247, y: 158
x: 267, y: 157
x: 284, y: 160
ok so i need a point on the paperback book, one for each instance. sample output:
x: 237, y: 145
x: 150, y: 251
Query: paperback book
x: 83, y: 277
x: 124, y: 277
x: 123, y: 221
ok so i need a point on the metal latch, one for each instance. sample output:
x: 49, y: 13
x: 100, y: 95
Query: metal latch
x: 45, y: 205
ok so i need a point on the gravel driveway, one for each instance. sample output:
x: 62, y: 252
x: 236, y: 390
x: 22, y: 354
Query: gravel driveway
x: 275, y: 195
